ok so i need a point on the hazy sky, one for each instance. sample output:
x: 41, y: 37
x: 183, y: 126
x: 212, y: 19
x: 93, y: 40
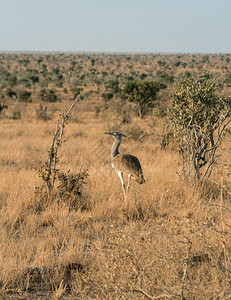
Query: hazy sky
x: 198, y: 26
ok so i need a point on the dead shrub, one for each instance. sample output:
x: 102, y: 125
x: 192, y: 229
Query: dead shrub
x: 70, y: 189
x: 41, y: 113
x: 136, y: 133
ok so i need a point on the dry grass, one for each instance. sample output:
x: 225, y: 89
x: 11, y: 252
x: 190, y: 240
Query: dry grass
x: 172, y: 242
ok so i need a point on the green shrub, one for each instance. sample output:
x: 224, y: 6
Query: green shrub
x: 107, y: 96
x: 2, y: 107
x: 48, y: 95
x: 25, y: 96
x: 16, y: 115
x: 143, y: 93
x: 10, y: 93
x: 198, y: 118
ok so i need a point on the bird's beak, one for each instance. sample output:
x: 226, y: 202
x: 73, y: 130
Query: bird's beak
x: 108, y: 133
x: 124, y: 135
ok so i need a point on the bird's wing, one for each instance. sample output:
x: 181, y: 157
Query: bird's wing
x: 129, y: 164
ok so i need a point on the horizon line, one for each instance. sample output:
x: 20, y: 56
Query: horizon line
x: 109, y: 52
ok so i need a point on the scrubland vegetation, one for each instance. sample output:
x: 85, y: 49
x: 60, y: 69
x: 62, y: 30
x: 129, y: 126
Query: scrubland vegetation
x: 78, y: 240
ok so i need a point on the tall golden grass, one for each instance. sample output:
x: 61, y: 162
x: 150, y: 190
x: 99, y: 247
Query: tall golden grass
x: 173, y: 241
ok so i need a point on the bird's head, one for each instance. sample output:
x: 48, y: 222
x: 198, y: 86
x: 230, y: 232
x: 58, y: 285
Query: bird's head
x: 116, y: 135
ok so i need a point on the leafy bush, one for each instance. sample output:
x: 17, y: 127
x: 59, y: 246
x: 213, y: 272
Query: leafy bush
x: 2, y: 107
x: 12, y: 80
x: 228, y: 78
x: 48, y: 95
x: 107, y: 96
x: 76, y: 90
x: 10, y: 93
x: 198, y: 115
x: 113, y: 85
x: 69, y: 188
x: 34, y: 79
x: 25, y: 82
x: 143, y: 93
x: 25, y: 96
x: 167, y: 78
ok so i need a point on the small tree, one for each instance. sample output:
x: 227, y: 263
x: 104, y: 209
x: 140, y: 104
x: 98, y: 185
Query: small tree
x: 143, y: 93
x: 49, y: 171
x: 113, y: 86
x: 199, y: 118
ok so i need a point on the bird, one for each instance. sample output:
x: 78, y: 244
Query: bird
x: 125, y: 163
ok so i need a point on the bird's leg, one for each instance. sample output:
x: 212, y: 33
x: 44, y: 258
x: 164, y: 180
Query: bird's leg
x: 129, y: 180
x: 120, y: 174
x: 133, y: 187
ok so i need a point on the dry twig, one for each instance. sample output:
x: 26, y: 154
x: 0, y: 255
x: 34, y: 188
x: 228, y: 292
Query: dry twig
x: 186, y: 267
x: 49, y: 170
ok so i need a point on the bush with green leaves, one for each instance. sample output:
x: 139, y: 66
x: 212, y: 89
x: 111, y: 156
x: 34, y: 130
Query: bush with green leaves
x: 12, y: 80
x: 107, y: 96
x: 76, y: 90
x: 25, y: 96
x: 113, y: 86
x: 48, y: 95
x: 143, y: 93
x: 34, y: 79
x: 10, y: 93
x: 2, y: 107
x: 198, y: 117
x: 228, y: 79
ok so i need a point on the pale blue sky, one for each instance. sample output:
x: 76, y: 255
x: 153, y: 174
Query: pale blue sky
x: 187, y: 26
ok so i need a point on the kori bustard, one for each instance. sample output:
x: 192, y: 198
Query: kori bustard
x: 125, y: 163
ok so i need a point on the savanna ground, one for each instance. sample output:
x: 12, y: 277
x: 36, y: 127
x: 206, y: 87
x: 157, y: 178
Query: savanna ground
x: 173, y: 241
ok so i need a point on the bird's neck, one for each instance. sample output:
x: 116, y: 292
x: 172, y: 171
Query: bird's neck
x: 115, y: 148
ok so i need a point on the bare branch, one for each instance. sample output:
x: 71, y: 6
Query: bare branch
x: 186, y: 267
x: 58, y: 143
x: 49, y: 170
x: 139, y: 290
x: 51, y: 156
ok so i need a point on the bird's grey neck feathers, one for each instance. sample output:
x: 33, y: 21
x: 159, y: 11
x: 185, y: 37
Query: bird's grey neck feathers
x: 115, y: 148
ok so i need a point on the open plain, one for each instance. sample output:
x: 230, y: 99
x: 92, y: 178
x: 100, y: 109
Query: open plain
x: 172, y: 241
